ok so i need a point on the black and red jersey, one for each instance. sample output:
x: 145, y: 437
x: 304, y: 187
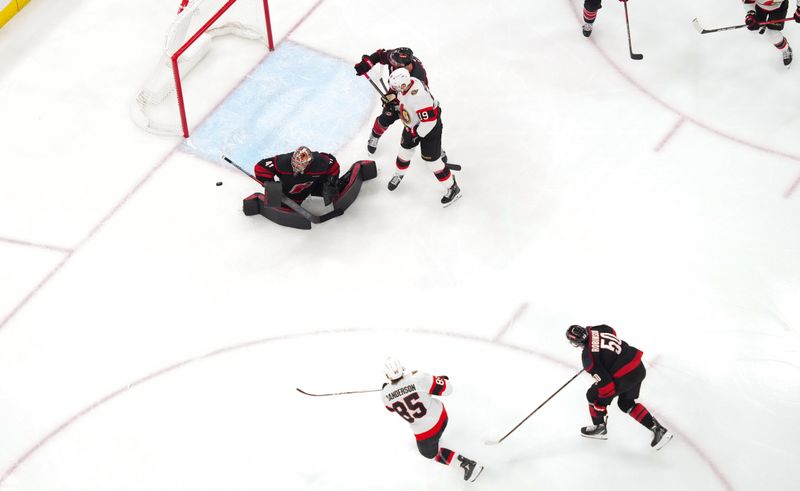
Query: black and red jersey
x: 607, y: 358
x: 298, y: 187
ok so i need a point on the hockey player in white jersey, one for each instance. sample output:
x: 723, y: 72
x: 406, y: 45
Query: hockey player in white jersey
x: 759, y: 11
x: 409, y: 395
x: 422, y: 122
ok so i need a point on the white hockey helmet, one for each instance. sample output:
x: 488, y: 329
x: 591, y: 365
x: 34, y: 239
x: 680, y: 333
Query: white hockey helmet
x: 399, y: 79
x: 393, y: 369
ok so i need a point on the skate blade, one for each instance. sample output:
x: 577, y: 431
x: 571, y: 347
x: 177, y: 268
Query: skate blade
x: 458, y: 197
x: 596, y: 437
x: 477, y: 475
x: 664, y: 440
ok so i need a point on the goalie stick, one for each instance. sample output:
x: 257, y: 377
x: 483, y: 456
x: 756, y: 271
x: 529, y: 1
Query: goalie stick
x: 701, y: 30
x: 495, y: 442
x: 335, y: 393
x: 288, y: 202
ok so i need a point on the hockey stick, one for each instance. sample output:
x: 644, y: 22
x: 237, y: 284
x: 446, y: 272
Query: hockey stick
x: 375, y: 85
x: 696, y: 24
x: 495, y: 442
x: 291, y: 204
x: 336, y: 393
x: 634, y: 56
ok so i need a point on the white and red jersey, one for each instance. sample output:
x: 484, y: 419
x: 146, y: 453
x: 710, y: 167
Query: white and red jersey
x: 419, y: 110
x: 768, y: 5
x: 412, y: 399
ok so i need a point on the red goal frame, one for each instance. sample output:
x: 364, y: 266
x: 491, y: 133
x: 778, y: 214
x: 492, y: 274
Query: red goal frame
x: 191, y: 40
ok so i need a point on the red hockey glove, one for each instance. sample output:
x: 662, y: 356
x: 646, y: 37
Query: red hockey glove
x: 750, y: 21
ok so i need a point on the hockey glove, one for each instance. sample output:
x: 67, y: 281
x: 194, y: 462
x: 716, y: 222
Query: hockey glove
x: 389, y: 98
x: 797, y: 14
x: 330, y: 190
x: 750, y: 21
x: 364, y: 65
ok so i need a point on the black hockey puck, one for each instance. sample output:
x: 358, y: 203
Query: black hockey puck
x: 219, y: 183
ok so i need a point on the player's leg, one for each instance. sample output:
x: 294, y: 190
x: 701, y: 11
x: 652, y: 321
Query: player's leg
x: 629, y: 387
x: 590, y: 8
x: 773, y: 31
x: 431, y: 147
x: 408, y: 146
x: 598, y: 413
x: 388, y: 115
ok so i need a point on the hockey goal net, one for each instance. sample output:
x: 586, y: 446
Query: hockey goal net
x: 189, y: 39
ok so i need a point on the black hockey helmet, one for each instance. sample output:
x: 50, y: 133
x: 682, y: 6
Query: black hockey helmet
x: 577, y: 335
x: 401, y: 57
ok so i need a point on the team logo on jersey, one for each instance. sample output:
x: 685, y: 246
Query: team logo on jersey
x: 414, y: 92
x: 406, y: 117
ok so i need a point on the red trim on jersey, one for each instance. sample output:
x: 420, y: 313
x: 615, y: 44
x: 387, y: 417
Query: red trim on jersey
x: 438, y: 426
x: 409, y: 87
x: 437, y: 389
x: 630, y: 366
x: 606, y: 391
x: 433, y: 111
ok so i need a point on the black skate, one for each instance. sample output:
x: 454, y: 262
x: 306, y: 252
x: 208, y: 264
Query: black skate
x: 469, y: 467
x: 587, y: 29
x: 453, y: 193
x: 787, y: 56
x: 372, y: 143
x: 444, y: 156
x: 661, y: 436
x: 598, y: 432
x: 395, y: 181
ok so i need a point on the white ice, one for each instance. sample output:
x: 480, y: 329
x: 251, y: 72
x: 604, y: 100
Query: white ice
x: 152, y: 336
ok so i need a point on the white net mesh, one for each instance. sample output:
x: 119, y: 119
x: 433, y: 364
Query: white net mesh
x: 152, y: 110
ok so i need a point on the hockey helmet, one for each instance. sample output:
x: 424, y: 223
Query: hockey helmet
x: 577, y: 335
x: 393, y: 369
x: 399, y: 79
x: 401, y: 57
x: 300, y: 159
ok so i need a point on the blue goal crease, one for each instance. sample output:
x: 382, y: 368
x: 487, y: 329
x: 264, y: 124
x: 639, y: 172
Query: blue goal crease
x: 296, y: 96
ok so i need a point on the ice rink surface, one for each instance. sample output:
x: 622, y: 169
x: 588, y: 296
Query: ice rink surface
x: 152, y: 336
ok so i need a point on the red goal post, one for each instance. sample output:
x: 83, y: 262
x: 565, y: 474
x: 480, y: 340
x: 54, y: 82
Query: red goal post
x: 185, y: 46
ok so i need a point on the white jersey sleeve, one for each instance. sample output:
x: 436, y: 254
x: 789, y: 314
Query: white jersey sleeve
x: 768, y: 5
x: 412, y: 398
x: 419, y: 110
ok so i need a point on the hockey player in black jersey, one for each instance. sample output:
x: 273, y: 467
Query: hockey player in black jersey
x: 394, y: 59
x: 301, y: 173
x: 618, y: 370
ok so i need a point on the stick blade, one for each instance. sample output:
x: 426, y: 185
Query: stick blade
x: 696, y: 24
x: 304, y: 392
x: 637, y: 56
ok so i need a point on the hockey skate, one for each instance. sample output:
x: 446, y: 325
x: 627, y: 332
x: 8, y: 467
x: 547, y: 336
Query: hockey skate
x: 661, y: 436
x: 787, y: 56
x: 598, y: 432
x: 395, y: 181
x: 372, y: 143
x: 587, y: 29
x: 452, y: 194
x: 470, y: 466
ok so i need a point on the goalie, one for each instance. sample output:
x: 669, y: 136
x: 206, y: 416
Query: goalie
x: 302, y: 173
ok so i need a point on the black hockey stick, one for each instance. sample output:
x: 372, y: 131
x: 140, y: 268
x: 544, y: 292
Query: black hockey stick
x: 495, y: 442
x: 336, y: 393
x: 634, y: 56
x: 696, y: 24
x: 291, y: 204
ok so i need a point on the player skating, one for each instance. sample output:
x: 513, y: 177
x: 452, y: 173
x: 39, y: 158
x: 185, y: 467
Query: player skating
x: 759, y: 11
x: 618, y: 370
x: 409, y: 395
x: 422, y: 122
x: 394, y: 59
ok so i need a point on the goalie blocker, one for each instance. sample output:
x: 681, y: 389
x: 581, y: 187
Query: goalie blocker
x: 268, y: 203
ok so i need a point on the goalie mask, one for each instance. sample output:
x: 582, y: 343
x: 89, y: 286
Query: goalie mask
x: 393, y: 369
x: 401, y: 57
x: 300, y: 159
x: 399, y: 80
x: 577, y: 335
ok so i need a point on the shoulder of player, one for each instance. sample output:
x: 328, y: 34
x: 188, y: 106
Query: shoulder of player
x: 283, y: 163
x: 320, y: 163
